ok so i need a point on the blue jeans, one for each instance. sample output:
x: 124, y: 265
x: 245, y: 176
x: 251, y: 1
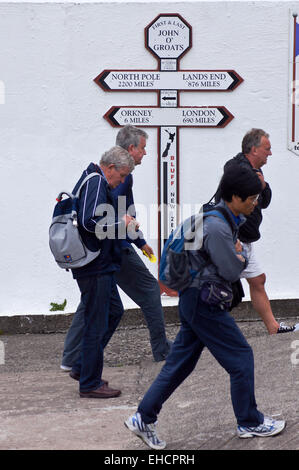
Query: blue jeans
x: 140, y: 285
x: 103, y: 310
x: 206, y: 326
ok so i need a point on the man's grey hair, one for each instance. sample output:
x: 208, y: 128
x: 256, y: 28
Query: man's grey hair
x: 129, y: 135
x: 119, y: 157
x: 252, y: 139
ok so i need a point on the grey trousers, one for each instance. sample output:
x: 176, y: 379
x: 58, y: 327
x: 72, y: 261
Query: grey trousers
x: 141, y: 286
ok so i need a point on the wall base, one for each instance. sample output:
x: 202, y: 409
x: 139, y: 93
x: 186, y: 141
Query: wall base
x: 59, y: 323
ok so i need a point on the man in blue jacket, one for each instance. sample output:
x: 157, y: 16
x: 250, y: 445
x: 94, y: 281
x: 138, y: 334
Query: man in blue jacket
x: 204, y: 324
x: 133, y: 277
x: 100, y: 230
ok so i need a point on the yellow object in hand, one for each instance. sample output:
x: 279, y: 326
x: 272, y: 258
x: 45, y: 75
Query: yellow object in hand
x: 152, y: 258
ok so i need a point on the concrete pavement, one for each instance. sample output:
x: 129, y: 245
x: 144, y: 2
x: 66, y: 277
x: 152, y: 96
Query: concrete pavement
x: 40, y: 408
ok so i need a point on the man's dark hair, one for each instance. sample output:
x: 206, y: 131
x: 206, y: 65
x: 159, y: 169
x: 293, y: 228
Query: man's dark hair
x: 239, y: 181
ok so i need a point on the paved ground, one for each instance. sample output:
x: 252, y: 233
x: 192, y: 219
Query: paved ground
x: 40, y: 408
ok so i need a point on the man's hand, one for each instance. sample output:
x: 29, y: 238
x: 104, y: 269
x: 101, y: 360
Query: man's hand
x: 132, y: 226
x: 262, y: 179
x: 241, y: 258
x: 127, y: 219
x: 238, y: 246
x: 148, y: 250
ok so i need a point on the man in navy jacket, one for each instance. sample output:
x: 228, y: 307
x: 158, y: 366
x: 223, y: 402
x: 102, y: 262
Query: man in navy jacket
x: 133, y: 277
x: 102, y: 304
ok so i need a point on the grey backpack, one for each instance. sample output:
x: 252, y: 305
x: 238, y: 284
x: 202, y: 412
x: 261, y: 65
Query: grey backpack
x: 65, y: 241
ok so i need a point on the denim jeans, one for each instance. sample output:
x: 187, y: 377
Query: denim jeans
x: 103, y: 310
x: 206, y: 326
x: 140, y: 285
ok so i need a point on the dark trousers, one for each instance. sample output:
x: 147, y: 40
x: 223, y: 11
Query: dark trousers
x: 139, y: 284
x: 205, y: 326
x: 102, y: 313
x: 142, y: 287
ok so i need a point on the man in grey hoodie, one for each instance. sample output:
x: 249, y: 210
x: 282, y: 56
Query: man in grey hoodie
x: 211, y: 326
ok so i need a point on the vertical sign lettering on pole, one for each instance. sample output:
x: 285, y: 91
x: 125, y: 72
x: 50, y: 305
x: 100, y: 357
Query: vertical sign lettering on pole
x: 293, y: 133
x: 168, y: 37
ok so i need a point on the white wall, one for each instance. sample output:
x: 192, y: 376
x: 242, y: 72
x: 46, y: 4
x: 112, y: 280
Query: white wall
x: 51, y: 124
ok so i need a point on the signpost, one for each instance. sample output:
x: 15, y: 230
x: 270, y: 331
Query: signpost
x: 293, y: 134
x: 168, y: 37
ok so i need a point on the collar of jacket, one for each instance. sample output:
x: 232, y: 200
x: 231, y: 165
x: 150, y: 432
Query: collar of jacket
x: 93, y: 167
x: 230, y: 214
x: 241, y: 158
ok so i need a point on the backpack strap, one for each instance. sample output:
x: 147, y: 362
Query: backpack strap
x: 221, y: 212
x: 59, y: 197
x: 212, y: 200
x: 72, y: 195
x: 88, y: 177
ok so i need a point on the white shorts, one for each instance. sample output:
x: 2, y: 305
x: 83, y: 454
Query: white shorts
x: 253, y: 268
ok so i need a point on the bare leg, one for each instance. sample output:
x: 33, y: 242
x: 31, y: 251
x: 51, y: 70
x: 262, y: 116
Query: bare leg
x: 261, y: 302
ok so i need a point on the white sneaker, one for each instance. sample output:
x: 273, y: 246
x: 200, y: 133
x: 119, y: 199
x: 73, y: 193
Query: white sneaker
x: 270, y: 427
x: 65, y: 368
x: 283, y: 328
x: 146, y: 432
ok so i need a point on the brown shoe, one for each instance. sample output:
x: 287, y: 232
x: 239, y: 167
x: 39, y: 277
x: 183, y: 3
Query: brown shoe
x: 76, y: 376
x: 102, y: 392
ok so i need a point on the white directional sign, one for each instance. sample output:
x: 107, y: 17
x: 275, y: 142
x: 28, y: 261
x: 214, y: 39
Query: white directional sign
x: 168, y: 36
x: 185, y: 80
x: 151, y: 116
